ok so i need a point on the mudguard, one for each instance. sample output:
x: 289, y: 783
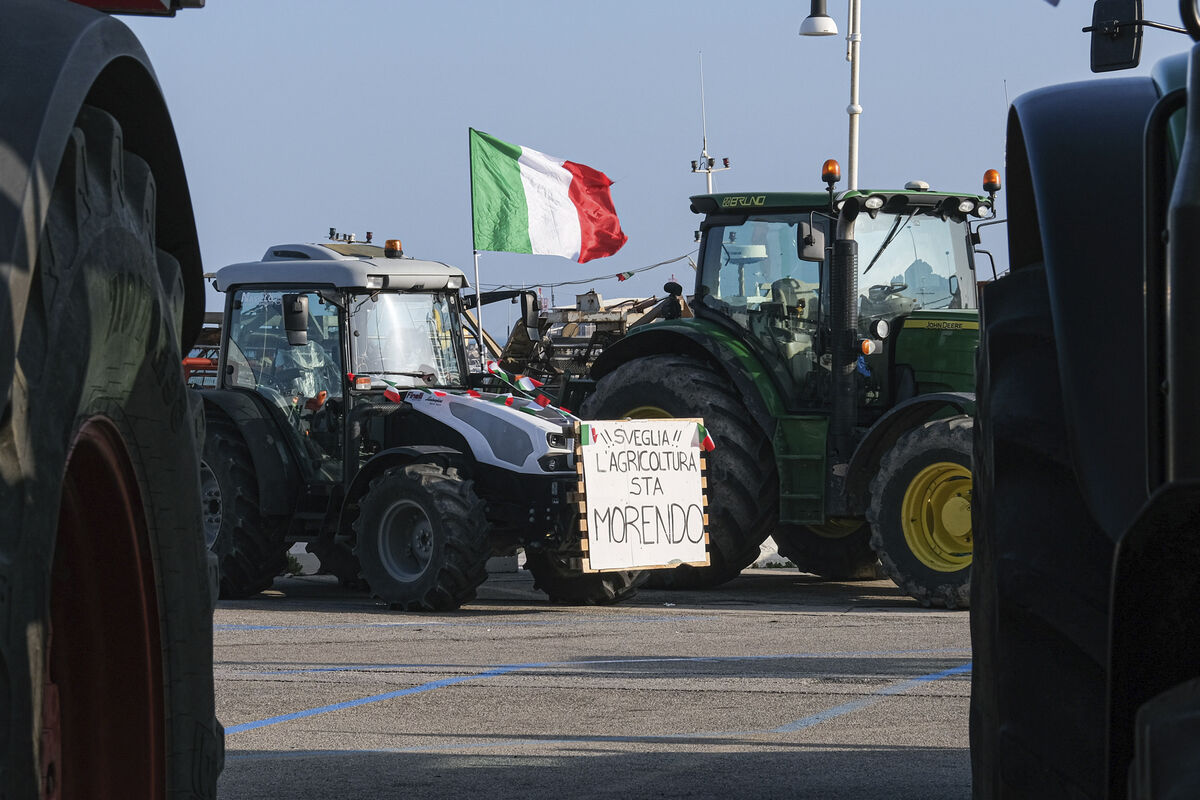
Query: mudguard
x: 56, y: 56
x: 1063, y: 188
x: 898, y: 420
x: 280, y: 480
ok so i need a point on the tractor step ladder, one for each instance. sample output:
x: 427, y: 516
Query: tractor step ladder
x: 800, y: 459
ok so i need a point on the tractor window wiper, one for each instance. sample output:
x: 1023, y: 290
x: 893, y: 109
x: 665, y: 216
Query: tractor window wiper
x: 897, y: 226
x: 428, y: 377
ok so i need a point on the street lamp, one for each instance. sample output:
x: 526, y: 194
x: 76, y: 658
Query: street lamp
x: 819, y: 23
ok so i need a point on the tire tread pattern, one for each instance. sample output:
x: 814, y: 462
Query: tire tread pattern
x: 250, y: 548
x: 459, y: 562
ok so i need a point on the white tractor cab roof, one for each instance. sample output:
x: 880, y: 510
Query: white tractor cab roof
x: 343, y: 265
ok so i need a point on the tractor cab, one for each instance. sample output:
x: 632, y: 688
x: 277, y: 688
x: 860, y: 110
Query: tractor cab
x: 764, y: 270
x: 322, y: 331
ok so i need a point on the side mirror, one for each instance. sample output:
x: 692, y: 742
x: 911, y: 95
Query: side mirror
x: 295, y: 318
x: 1116, y: 39
x: 811, y: 244
x: 529, y: 315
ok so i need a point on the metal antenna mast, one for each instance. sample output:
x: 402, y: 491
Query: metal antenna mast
x: 706, y: 164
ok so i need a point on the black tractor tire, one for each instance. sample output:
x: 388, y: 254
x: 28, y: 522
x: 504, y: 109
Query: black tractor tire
x: 555, y: 574
x: 249, y: 547
x: 1040, y: 588
x: 422, y: 538
x: 920, y: 512
x: 106, y: 667
x: 743, y: 486
x: 836, y: 551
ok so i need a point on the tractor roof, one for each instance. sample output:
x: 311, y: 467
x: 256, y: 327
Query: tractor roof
x: 341, y: 265
x: 916, y: 195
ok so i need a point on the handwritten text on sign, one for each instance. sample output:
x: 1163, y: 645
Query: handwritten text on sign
x: 644, y: 495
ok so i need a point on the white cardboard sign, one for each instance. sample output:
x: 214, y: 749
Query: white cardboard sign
x: 643, y: 488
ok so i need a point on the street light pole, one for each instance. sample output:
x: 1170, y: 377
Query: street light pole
x: 854, y: 110
x: 819, y: 23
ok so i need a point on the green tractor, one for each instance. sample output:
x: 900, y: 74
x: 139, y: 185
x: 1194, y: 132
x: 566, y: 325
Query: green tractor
x: 829, y: 348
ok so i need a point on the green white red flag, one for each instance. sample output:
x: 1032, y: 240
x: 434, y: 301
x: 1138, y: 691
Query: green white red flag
x: 392, y: 392
x: 524, y: 201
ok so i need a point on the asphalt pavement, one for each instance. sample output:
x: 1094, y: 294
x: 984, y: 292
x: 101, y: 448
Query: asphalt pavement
x: 776, y: 685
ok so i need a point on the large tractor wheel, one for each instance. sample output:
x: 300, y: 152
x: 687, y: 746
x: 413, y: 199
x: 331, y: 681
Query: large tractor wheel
x: 250, y: 549
x: 422, y: 538
x: 106, y: 668
x: 557, y: 574
x: 920, y: 512
x: 743, y: 485
x: 1040, y: 590
x: 839, y: 550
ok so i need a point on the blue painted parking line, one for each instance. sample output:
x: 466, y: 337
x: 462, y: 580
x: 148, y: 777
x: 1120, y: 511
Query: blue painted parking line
x: 804, y: 723
x: 377, y: 698
x: 508, y: 669
x: 874, y: 697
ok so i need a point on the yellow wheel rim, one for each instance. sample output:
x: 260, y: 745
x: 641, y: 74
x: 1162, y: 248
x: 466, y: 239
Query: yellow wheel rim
x: 936, y: 516
x: 648, y: 412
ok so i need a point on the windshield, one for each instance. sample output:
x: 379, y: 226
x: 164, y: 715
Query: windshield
x: 908, y: 262
x: 409, y: 339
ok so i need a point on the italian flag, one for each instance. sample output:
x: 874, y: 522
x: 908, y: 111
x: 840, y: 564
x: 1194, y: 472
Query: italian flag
x: 392, y: 392
x: 524, y: 201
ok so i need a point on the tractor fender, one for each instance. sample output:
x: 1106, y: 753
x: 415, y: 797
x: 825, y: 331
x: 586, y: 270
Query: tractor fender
x: 391, y: 457
x: 689, y: 338
x: 280, y: 480
x: 898, y: 421
x: 57, y: 56
x: 1093, y: 261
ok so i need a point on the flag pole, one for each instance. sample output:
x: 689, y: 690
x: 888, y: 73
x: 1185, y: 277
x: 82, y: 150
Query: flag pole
x: 478, y: 288
x: 478, y: 304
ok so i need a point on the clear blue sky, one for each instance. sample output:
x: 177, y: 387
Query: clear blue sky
x: 295, y: 116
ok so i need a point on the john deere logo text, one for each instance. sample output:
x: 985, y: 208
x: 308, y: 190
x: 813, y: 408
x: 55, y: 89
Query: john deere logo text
x: 743, y: 200
x: 941, y: 325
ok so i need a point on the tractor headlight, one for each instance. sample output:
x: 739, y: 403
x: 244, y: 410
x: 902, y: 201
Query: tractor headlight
x: 556, y: 440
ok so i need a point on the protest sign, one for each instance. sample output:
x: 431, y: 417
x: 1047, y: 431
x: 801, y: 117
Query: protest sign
x: 643, y: 490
